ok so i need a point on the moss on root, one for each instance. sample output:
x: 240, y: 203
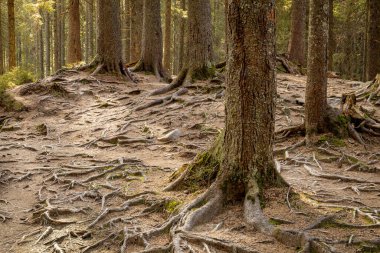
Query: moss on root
x: 202, y: 172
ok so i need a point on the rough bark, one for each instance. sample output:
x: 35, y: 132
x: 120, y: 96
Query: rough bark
x: 373, y: 39
x: 316, y: 87
x: 109, y: 56
x: 41, y: 53
x: 1, y: 45
x: 296, y: 48
x: 151, y: 55
x: 168, y: 32
x: 127, y: 7
x: 331, y: 46
x: 11, y: 35
x: 74, y: 45
x: 62, y: 31
x: 250, y: 99
x: 57, y: 36
x: 199, y: 39
x: 137, y: 12
x: 91, y: 32
x: 181, y: 53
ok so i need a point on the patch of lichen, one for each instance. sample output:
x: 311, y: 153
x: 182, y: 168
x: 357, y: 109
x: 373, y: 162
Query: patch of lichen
x: 202, y: 73
x: 172, y: 206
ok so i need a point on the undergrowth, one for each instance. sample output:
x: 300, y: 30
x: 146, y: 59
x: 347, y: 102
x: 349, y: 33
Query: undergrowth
x: 9, y: 80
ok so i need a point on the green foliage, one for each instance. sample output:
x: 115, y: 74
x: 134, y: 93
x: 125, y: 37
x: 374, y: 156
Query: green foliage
x: 331, y: 139
x: 9, y: 80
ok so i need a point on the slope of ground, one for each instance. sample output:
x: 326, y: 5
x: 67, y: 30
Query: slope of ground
x: 83, y: 170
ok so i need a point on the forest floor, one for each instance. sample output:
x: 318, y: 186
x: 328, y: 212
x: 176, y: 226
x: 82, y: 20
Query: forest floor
x: 82, y: 167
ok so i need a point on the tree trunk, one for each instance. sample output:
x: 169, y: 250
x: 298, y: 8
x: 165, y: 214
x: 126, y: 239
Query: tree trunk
x: 137, y: 12
x: 181, y: 53
x: 199, y: 39
x: 168, y: 30
x: 41, y: 69
x: 109, y: 58
x: 63, y: 34
x: 11, y: 35
x: 47, y: 33
x: 316, y: 87
x: 331, y: 36
x: 296, y: 48
x: 74, y: 47
x: 57, y: 36
x: 373, y: 39
x: 1, y: 45
x: 250, y: 99
x: 128, y: 30
x: 151, y: 55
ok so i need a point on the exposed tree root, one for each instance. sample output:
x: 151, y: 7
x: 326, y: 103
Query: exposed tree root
x: 165, y: 100
x: 157, y: 69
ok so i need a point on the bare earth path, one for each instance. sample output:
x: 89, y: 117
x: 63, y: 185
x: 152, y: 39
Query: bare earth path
x: 83, y: 169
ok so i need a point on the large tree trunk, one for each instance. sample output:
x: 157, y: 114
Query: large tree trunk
x: 137, y: 12
x: 296, y: 48
x: 316, y: 87
x: 1, y: 46
x: 168, y: 32
x: 41, y: 61
x: 250, y: 99
x: 74, y: 47
x: 373, y: 39
x: 151, y: 55
x: 63, y: 33
x: 109, y: 57
x: 11, y: 35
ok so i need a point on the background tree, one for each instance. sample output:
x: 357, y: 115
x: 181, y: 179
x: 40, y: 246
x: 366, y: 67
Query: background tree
x: 331, y: 46
x: 151, y: 54
x: 199, y: 46
x: 74, y: 46
x: 316, y: 87
x: 109, y: 53
x: 373, y: 39
x: 1, y: 42
x: 296, y: 49
x: 11, y: 35
x: 137, y: 12
x: 168, y: 27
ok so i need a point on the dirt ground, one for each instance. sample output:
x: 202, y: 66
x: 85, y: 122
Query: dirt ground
x: 82, y: 167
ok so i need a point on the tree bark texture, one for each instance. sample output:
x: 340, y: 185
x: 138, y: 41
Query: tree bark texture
x: 11, y: 35
x: 373, y: 39
x: 296, y: 48
x: 127, y: 7
x: 168, y: 33
x: 137, y: 13
x: 316, y: 87
x: 74, y: 47
x: 1, y: 46
x: 331, y: 36
x: 57, y: 36
x: 250, y: 97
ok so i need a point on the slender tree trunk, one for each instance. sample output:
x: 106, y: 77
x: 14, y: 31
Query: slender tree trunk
x: 1, y: 45
x: 127, y: 30
x: 250, y: 99
x: 41, y: 53
x: 181, y: 53
x: 63, y: 33
x: 331, y: 36
x: 316, y: 87
x: 74, y: 47
x: 151, y: 55
x: 373, y: 39
x: 57, y: 36
x: 137, y: 9
x: 11, y: 35
x: 168, y: 31
x: 296, y: 48
x: 48, y: 49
